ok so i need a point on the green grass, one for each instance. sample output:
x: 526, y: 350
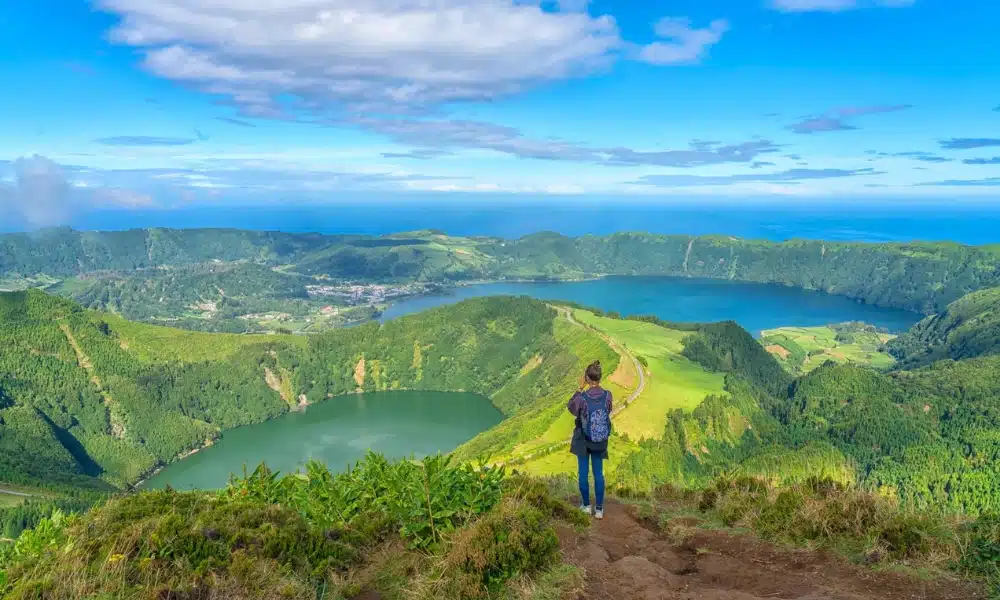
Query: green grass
x: 153, y: 343
x: 561, y: 462
x: 467, y: 533
x: 672, y: 380
x: 545, y: 421
x: 820, y: 345
x: 7, y: 500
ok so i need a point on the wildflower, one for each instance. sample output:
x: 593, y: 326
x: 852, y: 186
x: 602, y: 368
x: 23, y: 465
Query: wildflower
x: 116, y: 558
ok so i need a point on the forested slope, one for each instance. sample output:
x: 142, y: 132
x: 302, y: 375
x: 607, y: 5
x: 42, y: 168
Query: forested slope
x: 927, y: 436
x: 919, y: 276
x: 923, y: 277
x: 88, y: 394
x: 967, y: 328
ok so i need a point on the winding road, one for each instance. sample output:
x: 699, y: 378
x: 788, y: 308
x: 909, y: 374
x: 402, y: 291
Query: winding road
x: 568, y: 314
x: 13, y: 493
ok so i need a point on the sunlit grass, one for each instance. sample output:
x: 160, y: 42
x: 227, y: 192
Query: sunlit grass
x: 672, y: 381
x: 820, y: 345
x: 153, y: 343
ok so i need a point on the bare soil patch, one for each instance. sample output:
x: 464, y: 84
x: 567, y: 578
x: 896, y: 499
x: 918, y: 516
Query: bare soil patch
x: 778, y: 350
x: 627, y: 559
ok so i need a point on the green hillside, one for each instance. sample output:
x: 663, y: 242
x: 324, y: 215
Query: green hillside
x: 240, y: 281
x: 94, y: 395
x: 927, y: 437
x: 967, y: 328
x: 89, y: 401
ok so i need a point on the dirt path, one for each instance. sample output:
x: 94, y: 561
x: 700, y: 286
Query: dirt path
x: 626, y: 559
x: 117, y: 427
x: 13, y: 493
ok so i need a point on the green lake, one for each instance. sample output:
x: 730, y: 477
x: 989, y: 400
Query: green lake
x: 338, y: 432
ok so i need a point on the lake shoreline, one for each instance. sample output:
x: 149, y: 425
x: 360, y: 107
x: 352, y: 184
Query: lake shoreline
x: 332, y: 431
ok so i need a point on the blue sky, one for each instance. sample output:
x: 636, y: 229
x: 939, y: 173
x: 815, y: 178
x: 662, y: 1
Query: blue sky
x: 166, y: 103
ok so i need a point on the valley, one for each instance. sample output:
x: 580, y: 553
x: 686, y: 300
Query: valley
x: 247, y: 281
x: 792, y: 389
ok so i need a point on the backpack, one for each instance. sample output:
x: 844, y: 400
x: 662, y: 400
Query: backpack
x: 595, y: 418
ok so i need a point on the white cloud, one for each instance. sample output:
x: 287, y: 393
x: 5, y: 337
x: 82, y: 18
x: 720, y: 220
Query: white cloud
x: 834, y: 5
x: 365, y: 55
x: 684, y: 44
x: 41, y: 194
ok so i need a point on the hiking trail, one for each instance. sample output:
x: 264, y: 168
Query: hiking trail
x: 625, y: 558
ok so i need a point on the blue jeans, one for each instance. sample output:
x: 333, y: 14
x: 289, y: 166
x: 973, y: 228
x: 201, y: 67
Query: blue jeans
x: 598, y: 478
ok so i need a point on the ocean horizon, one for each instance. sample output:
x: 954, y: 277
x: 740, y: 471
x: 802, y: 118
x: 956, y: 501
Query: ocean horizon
x: 967, y: 224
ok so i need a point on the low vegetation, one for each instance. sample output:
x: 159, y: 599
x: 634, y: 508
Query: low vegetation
x: 426, y: 530
x: 821, y: 513
x: 673, y: 380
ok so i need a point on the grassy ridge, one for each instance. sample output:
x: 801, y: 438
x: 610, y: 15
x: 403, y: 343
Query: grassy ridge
x: 545, y: 390
x: 152, y: 343
x: 673, y: 381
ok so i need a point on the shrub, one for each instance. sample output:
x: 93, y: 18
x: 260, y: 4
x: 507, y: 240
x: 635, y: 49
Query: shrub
x: 167, y: 544
x: 982, y: 553
x: 826, y: 512
x: 514, y: 538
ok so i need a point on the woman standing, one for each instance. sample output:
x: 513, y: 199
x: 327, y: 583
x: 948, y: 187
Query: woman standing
x: 591, y: 405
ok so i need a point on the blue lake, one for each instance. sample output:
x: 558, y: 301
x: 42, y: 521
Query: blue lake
x: 754, y: 306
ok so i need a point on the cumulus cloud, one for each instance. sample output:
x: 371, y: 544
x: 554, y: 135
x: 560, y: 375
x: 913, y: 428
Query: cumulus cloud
x: 834, y: 5
x: 969, y: 143
x: 39, y: 195
x: 362, y: 55
x: 790, y: 176
x: 144, y: 140
x: 364, y: 63
x: 683, y: 43
x: 42, y: 195
x: 835, y: 120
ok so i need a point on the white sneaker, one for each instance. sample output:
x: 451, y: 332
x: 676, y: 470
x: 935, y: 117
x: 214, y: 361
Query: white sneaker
x: 599, y: 513
x: 585, y: 509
